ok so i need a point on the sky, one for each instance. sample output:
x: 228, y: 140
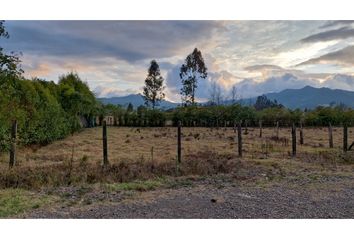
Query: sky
x: 255, y: 56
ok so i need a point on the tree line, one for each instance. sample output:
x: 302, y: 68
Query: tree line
x: 44, y: 111
x: 228, y: 116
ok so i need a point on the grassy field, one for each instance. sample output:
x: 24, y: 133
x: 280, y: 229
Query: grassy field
x: 146, y: 153
x: 144, y: 159
x: 159, y: 145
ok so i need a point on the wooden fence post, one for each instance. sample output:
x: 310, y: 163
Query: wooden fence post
x: 301, y: 134
x: 239, y: 139
x: 179, y: 142
x: 105, y: 148
x: 293, y: 135
x: 345, y: 137
x: 330, y: 133
x: 260, y: 128
x: 13, y: 144
x: 246, y: 129
x: 277, y: 130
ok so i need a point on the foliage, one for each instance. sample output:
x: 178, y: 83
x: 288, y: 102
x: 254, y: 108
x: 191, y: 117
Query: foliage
x: 153, y: 89
x: 227, y: 116
x: 142, y: 116
x: 220, y: 116
x: 45, y: 111
x: 191, y: 70
x: 9, y: 63
x: 263, y: 102
x: 76, y: 99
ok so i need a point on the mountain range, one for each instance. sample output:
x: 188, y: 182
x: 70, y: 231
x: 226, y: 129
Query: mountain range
x: 136, y: 100
x: 306, y: 97
x: 311, y: 97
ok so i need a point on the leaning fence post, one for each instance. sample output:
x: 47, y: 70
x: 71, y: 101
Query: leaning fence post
x: 179, y: 142
x: 301, y: 134
x: 330, y: 133
x: 239, y: 139
x: 345, y: 137
x: 260, y: 128
x: 293, y: 135
x: 105, y: 149
x: 13, y: 144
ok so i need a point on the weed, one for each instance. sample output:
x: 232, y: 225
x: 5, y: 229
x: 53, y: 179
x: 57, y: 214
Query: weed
x: 16, y: 201
x: 134, y: 186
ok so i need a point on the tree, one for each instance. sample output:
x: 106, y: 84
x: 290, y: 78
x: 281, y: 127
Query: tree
x: 141, y: 114
x: 263, y: 102
x: 192, y: 69
x: 9, y: 64
x: 234, y: 94
x: 130, y: 108
x: 153, y: 90
x: 215, y: 94
x: 10, y: 95
x: 76, y: 99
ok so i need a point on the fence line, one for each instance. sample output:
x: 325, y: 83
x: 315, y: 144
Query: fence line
x: 238, y: 128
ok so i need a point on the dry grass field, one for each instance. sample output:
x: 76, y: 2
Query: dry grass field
x: 69, y: 172
x: 159, y: 145
x: 146, y: 153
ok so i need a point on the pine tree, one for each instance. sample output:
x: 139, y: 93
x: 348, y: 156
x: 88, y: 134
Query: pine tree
x: 153, y: 89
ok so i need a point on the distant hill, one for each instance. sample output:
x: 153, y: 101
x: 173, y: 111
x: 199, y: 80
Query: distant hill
x: 136, y: 100
x: 307, y: 97
x: 310, y: 97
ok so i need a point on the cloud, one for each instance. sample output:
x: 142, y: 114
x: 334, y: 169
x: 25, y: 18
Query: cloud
x: 221, y: 78
x: 329, y: 24
x: 263, y: 67
x: 343, y: 56
x: 340, y: 81
x: 341, y: 33
x: 266, y: 70
x: 105, y: 72
x: 38, y: 69
x: 126, y: 40
x: 101, y: 91
x: 113, y: 56
x: 252, y: 87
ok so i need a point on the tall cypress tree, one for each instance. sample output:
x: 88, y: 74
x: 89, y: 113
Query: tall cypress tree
x: 153, y: 89
x: 192, y: 69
